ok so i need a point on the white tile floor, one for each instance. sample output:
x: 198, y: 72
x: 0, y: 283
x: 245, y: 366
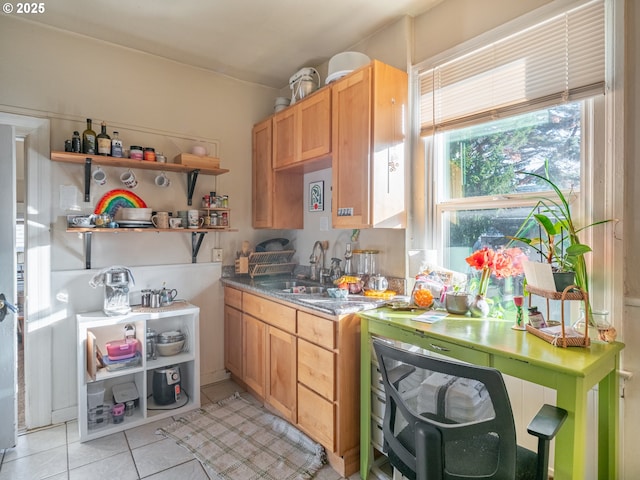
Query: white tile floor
x: 55, y: 453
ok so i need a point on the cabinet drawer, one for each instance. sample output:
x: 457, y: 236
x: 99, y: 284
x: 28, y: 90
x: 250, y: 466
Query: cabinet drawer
x: 233, y: 297
x: 317, y: 330
x: 270, y: 312
x: 458, y: 352
x: 316, y: 369
x: 377, y: 435
x: 316, y: 416
x: 378, y: 406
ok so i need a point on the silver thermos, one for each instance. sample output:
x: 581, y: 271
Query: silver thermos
x: 151, y: 344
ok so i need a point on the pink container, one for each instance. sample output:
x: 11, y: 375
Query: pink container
x: 122, y: 349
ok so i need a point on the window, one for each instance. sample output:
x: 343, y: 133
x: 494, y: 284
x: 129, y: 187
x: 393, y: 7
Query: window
x: 531, y: 101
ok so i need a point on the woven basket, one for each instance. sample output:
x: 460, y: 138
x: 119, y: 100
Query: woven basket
x: 572, y: 292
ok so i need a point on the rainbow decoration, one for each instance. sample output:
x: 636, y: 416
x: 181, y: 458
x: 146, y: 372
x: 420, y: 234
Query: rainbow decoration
x: 115, y: 199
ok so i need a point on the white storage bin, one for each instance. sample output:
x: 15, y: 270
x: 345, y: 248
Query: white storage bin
x: 465, y: 400
x: 95, y: 395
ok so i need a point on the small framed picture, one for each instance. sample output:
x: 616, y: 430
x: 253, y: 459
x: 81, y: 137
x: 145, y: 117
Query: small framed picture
x: 316, y: 196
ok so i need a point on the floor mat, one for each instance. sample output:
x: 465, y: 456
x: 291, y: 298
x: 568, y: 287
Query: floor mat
x: 237, y: 440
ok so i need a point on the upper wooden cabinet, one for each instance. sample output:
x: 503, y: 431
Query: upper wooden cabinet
x: 303, y: 131
x: 262, y: 176
x: 277, y: 196
x: 369, y: 113
x: 357, y: 127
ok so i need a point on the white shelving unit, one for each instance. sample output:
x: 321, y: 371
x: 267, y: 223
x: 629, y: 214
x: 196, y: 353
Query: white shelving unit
x: 183, y: 317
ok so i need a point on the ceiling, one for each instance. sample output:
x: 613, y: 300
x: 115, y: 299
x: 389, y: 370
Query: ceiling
x: 258, y: 41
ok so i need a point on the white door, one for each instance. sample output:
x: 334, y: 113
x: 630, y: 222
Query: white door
x: 8, y: 270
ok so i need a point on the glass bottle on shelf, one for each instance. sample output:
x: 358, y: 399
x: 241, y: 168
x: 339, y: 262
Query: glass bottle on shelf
x: 89, y: 139
x: 116, y: 146
x: 104, y: 141
x: 76, y: 142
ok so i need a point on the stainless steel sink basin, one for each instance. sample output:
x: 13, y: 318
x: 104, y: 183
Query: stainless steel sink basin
x: 300, y: 287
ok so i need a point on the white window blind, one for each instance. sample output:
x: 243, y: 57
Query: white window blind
x: 554, y: 61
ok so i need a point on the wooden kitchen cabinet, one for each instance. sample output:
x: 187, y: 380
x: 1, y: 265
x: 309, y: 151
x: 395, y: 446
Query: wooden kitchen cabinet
x: 369, y: 118
x: 254, y: 350
x: 262, y: 176
x: 277, y: 197
x: 233, y: 331
x: 303, y: 131
x: 281, y: 372
x: 305, y: 366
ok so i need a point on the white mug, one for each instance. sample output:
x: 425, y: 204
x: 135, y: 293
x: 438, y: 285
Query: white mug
x: 129, y: 179
x: 194, y: 219
x: 99, y: 176
x: 160, y: 220
x: 175, y: 222
x: 162, y: 180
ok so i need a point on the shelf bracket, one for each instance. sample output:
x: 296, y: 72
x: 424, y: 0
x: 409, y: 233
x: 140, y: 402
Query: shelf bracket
x: 196, y: 242
x: 87, y: 179
x: 192, y: 176
x: 87, y: 250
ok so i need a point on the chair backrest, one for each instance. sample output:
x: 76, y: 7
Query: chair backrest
x: 444, y: 419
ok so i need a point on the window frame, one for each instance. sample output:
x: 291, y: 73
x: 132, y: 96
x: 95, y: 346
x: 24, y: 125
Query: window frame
x: 602, y: 154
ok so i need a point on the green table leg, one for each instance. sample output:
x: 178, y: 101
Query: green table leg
x: 608, y: 416
x: 366, y: 450
x: 570, y: 456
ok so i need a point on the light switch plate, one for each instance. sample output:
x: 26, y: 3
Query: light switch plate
x: 216, y: 255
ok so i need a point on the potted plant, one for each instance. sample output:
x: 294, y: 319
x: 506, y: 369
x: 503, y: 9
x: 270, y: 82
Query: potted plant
x: 560, y: 244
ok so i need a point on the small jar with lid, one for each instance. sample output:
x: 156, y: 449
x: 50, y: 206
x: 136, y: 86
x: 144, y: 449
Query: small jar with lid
x: 214, y: 219
x: 225, y: 201
x: 224, y: 219
x: 135, y: 152
x: 149, y: 154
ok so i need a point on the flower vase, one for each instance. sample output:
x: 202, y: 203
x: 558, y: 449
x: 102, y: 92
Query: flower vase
x: 479, y: 307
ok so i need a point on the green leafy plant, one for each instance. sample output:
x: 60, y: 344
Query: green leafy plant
x: 560, y: 245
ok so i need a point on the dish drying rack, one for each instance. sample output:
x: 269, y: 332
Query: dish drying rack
x: 266, y: 263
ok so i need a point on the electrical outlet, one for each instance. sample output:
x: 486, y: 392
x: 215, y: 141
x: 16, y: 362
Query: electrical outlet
x: 216, y: 255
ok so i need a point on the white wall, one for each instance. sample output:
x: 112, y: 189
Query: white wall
x: 65, y: 77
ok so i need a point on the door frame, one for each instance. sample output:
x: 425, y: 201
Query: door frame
x: 38, y: 323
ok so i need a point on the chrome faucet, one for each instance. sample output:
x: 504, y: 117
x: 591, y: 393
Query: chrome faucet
x: 318, y: 269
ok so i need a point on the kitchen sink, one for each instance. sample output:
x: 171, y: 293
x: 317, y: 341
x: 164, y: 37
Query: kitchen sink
x: 300, y: 287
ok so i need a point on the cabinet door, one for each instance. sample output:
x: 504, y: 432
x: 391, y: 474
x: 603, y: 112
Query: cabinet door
x: 314, y: 117
x: 262, y: 179
x: 254, y: 365
x: 390, y: 94
x: 285, y: 137
x: 351, y: 130
x: 281, y: 372
x: 233, y: 340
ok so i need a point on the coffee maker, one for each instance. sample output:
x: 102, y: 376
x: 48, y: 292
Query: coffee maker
x: 116, y: 281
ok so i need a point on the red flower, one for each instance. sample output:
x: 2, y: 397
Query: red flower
x: 502, y: 262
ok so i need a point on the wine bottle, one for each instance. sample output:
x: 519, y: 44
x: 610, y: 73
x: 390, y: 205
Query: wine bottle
x: 104, y: 141
x: 89, y: 139
x: 76, y: 142
x: 116, y: 146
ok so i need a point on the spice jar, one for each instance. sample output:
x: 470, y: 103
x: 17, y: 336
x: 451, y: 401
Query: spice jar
x: 149, y: 154
x: 135, y: 152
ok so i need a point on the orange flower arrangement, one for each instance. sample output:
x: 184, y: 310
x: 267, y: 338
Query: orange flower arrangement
x: 503, y: 262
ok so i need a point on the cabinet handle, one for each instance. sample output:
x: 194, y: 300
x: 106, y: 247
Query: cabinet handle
x: 439, y: 348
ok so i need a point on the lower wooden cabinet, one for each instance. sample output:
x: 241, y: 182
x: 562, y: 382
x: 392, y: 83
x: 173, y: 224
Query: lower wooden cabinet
x: 304, y: 366
x: 233, y: 340
x: 316, y: 416
x: 281, y: 372
x: 253, y: 348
